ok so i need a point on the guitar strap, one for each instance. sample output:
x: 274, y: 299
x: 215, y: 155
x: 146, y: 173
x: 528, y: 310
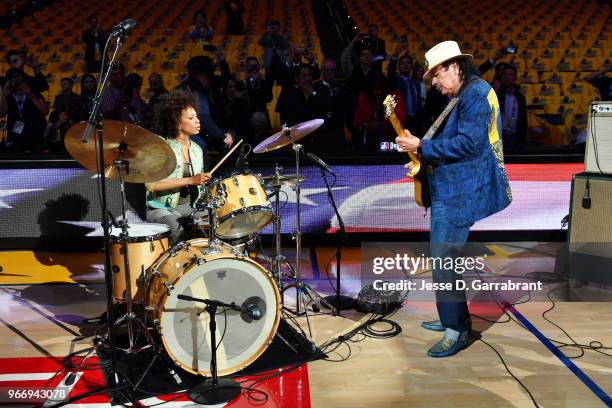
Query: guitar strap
x: 434, y: 128
x: 447, y: 110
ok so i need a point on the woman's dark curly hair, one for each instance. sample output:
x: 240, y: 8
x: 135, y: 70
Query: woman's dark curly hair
x: 168, y: 112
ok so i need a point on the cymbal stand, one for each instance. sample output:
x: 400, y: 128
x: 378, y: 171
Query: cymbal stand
x: 277, y: 273
x: 129, y: 317
x: 301, y: 288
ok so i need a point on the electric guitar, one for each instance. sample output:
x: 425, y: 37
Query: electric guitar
x: 418, y: 172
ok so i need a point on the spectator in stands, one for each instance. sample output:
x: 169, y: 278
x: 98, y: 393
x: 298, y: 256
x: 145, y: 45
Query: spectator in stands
x: 26, y: 112
x: 375, y: 44
x: 235, y: 110
x: 155, y: 90
x: 331, y: 93
x: 259, y: 93
x: 120, y: 101
x: 602, y: 82
x: 513, y: 108
x: 297, y: 56
x: 409, y: 89
x: 201, y: 32
x: 89, y: 85
x: 370, y: 127
x: 201, y: 83
x: 356, y: 63
x: 134, y: 81
x: 19, y: 60
x: 298, y: 103
x: 67, y: 99
x: 234, y: 10
x: 95, y: 39
x: 55, y: 132
x: 274, y: 44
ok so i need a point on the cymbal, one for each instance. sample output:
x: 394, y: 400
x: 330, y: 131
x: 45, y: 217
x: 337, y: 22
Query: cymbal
x: 150, y: 158
x: 277, y: 180
x: 280, y: 139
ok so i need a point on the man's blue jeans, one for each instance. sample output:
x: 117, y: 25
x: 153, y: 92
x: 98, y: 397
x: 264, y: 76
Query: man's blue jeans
x: 447, y: 241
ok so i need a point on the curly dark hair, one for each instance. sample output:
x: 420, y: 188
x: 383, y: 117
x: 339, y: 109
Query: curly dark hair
x: 168, y: 112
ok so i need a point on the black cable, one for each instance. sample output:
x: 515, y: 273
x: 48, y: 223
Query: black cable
x: 508, y: 369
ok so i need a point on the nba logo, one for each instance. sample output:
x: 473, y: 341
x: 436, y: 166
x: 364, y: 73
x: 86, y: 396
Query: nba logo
x: 384, y: 146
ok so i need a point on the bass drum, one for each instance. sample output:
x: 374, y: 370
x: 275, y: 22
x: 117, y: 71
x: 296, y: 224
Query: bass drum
x: 216, y: 272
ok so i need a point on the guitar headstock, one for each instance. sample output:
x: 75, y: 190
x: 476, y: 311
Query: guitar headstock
x: 390, y: 103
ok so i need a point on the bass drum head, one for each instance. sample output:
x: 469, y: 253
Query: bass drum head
x: 185, y: 324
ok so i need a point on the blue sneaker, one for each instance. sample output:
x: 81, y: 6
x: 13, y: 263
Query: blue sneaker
x: 434, y: 325
x: 451, y: 343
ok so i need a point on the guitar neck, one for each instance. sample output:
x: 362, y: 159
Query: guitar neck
x: 399, y: 129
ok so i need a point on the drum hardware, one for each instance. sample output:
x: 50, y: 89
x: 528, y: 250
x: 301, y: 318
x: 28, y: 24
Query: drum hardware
x: 283, y: 138
x: 133, y: 323
x: 340, y: 302
x: 150, y: 159
x: 213, y: 390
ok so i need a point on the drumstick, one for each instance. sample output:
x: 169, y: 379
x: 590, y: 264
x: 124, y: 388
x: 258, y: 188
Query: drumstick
x: 225, y: 157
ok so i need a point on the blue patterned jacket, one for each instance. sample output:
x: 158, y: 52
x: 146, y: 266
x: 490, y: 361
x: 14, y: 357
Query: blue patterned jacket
x: 469, y: 176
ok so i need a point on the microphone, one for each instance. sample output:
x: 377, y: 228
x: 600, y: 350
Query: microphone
x: 125, y: 27
x: 88, y: 131
x: 254, y: 308
x: 242, y: 163
x: 320, y: 163
x: 586, y: 198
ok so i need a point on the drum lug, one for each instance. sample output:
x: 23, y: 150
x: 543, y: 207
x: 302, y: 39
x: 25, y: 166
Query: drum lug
x: 242, y: 201
x: 235, y: 180
x: 199, y: 261
x: 169, y: 287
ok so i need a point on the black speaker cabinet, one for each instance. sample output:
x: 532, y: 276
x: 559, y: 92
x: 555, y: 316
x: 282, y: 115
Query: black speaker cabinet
x: 590, y: 228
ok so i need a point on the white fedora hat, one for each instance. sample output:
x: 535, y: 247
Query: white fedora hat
x: 441, y: 53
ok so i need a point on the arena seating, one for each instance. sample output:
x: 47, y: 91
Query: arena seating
x: 558, y: 42
x: 159, y: 43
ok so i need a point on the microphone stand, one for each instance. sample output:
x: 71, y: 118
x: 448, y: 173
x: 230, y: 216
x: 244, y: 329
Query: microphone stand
x: 213, y: 390
x: 95, y: 121
x: 340, y: 302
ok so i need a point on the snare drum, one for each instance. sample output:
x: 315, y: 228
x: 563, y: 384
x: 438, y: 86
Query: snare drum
x: 146, y: 242
x: 211, y: 272
x: 244, y: 207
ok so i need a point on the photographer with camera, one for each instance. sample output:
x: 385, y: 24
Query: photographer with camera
x: 356, y: 63
x: 95, y: 39
x: 259, y: 92
x: 19, y: 60
x: 375, y: 44
x: 297, y: 56
x: 274, y: 44
x: 499, y: 54
x: 26, y: 111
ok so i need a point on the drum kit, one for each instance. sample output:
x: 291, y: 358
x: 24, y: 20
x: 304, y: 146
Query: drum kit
x: 164, y: 288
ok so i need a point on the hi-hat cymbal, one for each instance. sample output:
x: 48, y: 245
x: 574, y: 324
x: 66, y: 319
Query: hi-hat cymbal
x: 279, y: 179
x: 149, y: 157
x: 286, y: 136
